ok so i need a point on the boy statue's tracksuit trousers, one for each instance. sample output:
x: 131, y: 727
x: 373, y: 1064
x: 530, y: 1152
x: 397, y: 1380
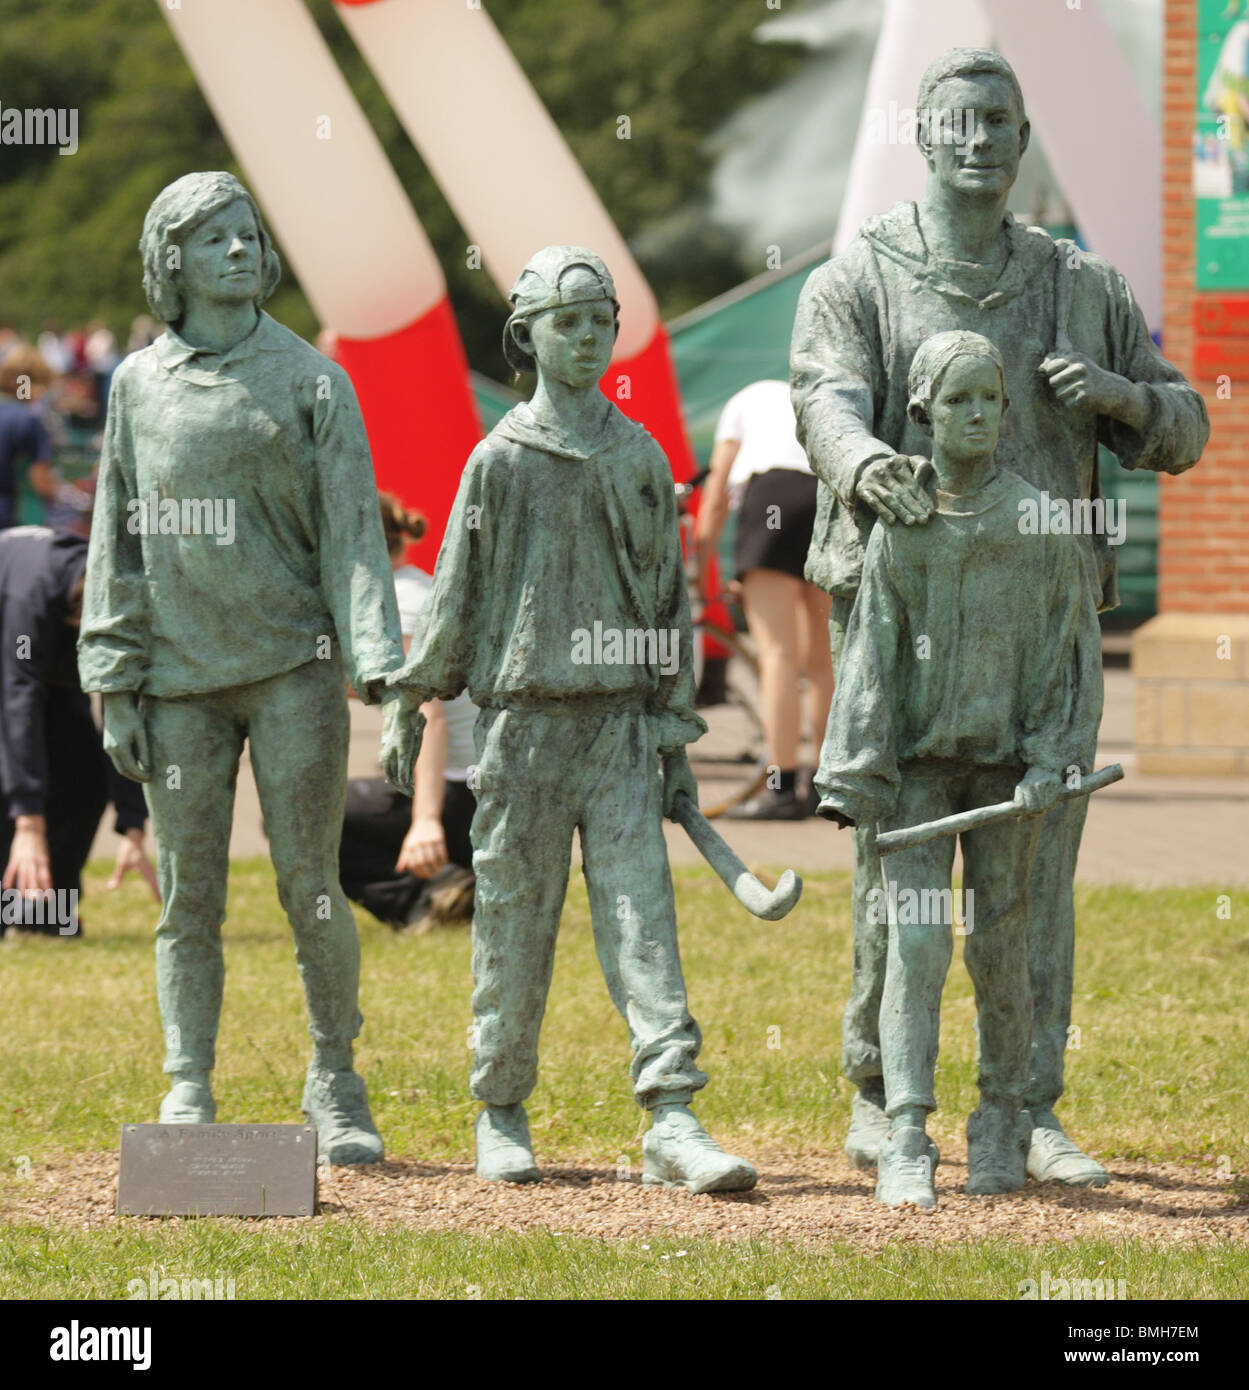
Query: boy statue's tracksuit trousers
x: 590, y: 765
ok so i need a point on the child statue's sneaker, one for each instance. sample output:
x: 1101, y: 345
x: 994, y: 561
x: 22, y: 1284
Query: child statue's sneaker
x: 1053, y: 1157
x: 337, y: 1103
x: 504, y: 1150
x: 905, y: 1169
x: 869, y: 1128
x: 189, y: 1102
x: 678, y: 1152
x: 997, y: 1150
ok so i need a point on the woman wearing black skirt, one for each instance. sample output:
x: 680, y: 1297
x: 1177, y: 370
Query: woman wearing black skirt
x: 757, y: 457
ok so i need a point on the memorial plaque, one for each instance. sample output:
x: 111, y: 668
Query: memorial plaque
x: 217, y: 1170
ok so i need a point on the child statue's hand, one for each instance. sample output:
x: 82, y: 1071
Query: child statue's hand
x: 402, y: 727
x: 125, y: 736
x: 1039, y: 791
x: 678, y: 778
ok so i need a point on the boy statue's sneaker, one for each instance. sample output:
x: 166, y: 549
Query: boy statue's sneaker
x: 678, y: 1152
x: 337, y: 1103
x: 504, y: 1150
x: 997, y: 1150
x: 869, y: 1128
x: 904, y: 1171
x: 189, y: 1102
x: 1053, y: 1157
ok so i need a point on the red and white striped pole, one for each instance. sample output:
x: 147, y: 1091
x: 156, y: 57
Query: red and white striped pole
x: 317, y: 168
x: 511, y: 178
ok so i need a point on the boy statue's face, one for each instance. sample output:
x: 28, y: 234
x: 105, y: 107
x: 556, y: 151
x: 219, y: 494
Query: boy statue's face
x: 573, y: 342
x: 221, y: 258
x: 967, y: 409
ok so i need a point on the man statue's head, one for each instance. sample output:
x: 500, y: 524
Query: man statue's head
x: 972, y: 126
x: 204, y: 233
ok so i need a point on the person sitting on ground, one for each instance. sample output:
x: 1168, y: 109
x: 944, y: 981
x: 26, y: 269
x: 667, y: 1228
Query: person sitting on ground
x: 408, y: 859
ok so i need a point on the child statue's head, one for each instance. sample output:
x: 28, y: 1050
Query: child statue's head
x: 957, y: 389
x: 565, y: 317
x: 176, y: 215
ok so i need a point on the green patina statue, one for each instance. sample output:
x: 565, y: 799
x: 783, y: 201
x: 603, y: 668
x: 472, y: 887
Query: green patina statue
x: 559, y: 602
x: 1081, y: 371
x: 237, y: 579
x: 970, y: 675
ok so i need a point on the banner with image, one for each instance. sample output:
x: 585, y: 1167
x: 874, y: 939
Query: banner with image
x: 1221, y: 145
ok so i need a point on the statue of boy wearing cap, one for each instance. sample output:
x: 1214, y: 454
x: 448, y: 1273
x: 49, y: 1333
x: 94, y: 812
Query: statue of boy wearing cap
x: 558, y: 593
x: 199, y: 638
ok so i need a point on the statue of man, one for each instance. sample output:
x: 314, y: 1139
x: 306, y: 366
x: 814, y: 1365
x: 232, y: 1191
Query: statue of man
x: 237, y: 579
x: 1081, y: 371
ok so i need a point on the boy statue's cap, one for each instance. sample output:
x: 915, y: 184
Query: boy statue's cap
x: 538, y: 288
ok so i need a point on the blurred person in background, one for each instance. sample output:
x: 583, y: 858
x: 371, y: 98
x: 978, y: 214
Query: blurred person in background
x: 100, y: 350
x: 24, y: 444
x: 29, y: 431
x: 409, y: 859
x: 757, y: 454
x: 53, y: 350
x: 144, y: 331
x: 55, y: 779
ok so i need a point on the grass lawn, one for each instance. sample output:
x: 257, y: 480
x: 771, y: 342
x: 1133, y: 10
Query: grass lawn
x: 1158, y: 1070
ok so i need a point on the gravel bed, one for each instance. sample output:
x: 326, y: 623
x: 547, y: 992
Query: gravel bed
x: 808, y: 1200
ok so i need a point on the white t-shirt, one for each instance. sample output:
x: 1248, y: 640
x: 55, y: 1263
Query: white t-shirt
x: 412, y: 588
x: 761, y: 419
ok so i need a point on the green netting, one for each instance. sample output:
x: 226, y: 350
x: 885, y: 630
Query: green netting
x: 493, y: 400
x: 739, y: 338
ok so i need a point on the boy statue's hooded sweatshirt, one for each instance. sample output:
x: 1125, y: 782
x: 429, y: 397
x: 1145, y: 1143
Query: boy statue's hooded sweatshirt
x: 543, y: 543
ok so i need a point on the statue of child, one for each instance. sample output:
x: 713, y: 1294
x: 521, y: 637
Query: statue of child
x: 559, y: 601
x: 971, y: 675
x: 237, y: 579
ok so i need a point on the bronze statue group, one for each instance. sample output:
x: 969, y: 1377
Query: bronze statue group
x: 948, y: 370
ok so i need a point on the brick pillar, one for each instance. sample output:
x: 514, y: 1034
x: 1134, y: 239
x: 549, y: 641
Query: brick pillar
x: 1192, y: 661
